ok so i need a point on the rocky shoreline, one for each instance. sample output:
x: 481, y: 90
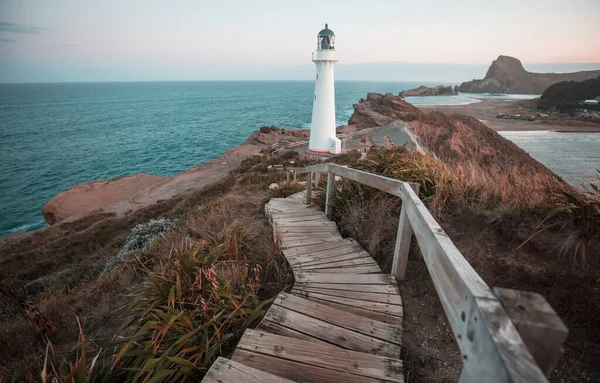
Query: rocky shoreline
x: 130, y: 193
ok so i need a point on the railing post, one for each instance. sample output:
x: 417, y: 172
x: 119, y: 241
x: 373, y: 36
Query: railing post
x: 329, y: 195
x: 287, y: 176
x: 403, y: 236
x: 317, y: 178
x: 308, y: 187
x: 541, y: 329
x: 402, y: 246
x: 294, y: 176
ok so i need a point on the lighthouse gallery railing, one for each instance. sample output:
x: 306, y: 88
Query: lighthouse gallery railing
x: 503, y: 335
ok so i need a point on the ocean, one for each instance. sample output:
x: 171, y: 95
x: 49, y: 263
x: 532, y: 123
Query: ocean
x: 54, y: 136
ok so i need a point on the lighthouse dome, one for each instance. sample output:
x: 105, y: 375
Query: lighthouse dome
x: 325, y: 39
x: 326, y: 31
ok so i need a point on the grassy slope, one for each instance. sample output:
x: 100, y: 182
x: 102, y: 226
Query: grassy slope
x: 224, y: 226
x: 489, y: 216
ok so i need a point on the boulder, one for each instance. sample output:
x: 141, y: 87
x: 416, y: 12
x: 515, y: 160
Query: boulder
x: 380, y: 109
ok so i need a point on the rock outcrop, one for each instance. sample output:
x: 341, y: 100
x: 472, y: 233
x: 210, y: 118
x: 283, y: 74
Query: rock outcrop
x: 423, y: 90
x: 378, y: 109
x: 507, y: 75
x: 92, y: 196
x: 456, y: 139
x: 124, y: 194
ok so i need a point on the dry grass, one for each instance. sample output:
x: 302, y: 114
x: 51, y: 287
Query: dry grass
x: 224, y: 223
x: 488, y: 214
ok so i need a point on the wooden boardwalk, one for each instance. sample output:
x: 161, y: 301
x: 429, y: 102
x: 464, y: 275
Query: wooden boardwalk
x: 342, y: 321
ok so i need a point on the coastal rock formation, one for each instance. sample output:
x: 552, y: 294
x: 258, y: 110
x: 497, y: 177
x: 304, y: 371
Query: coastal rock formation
x: 423, y: 90
x: 378, y: 109
x: 507, y: 75
x: 125, y: 194
x: 92, y: 196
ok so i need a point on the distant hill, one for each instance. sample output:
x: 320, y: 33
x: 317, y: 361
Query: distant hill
x: 565, y: 95
x: 507, y: 75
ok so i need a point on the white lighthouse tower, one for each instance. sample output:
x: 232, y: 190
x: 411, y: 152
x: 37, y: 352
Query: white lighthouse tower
x: 322, y: 130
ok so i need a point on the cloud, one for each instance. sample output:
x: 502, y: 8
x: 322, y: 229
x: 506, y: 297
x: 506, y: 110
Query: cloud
x: 65, y: 45
x: 3, y: 40
x: 16, y: 28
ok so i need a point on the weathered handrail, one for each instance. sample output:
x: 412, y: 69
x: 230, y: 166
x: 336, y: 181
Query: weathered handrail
x: 484, y: 322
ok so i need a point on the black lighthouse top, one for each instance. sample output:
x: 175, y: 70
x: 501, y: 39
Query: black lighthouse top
x: 325, y: 38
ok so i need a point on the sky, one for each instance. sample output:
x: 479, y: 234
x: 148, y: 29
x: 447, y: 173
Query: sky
x: 396, y: 40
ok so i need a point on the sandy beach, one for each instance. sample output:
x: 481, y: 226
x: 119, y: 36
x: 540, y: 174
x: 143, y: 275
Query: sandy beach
x: 487, y: 109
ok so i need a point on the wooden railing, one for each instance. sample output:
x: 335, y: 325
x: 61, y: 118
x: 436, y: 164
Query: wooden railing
x: 503, y: 335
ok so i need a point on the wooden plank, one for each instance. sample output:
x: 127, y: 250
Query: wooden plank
x: 300, y: 219
x: 294, y: 243
x: 296, y: 372
x: 343, y: 270
x: 389, y: 298
x: 309, y: 229
x: 395, y: 310
x: 364, y: 288
x: 291, y: 237
x: 327, y: 356
x: 378, y: 182
x: 338, y: 253
x: 402, y: 246
x: 297, y: 213
x: 308, y: 188
x: 229, y: 371
x: 339, y: 318
x: 374, y: 315
x: 331, y: 333
x: 320, y: 247
x: 363, y: 279
x: 319, y: 224
x: 278, y: 329
x: 539, y: 326
x: 350, y: 259
x: 329, y: 194
x: 359, y: 256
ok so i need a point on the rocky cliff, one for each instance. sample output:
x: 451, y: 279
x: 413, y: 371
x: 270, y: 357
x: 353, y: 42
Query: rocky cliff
x: 507, y: 75
x: 378, y: 109
x: 423, y: 90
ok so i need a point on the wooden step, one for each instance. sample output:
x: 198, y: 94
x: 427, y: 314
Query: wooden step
x: 335, y: 326
x: 229, y: 371
x: 304, y: 361
x: 381, y: 312
x: 334, y: 278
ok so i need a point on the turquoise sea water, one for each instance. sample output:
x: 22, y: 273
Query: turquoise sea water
x: 54, y: 136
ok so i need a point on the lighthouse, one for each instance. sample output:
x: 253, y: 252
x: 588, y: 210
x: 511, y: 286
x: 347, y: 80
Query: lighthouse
x: 322, y: 130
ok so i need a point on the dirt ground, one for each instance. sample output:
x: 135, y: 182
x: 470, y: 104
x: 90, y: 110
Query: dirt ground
x: 487, y: 109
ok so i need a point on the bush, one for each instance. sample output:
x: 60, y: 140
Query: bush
x: 193, y: 311
x: 140, y: 238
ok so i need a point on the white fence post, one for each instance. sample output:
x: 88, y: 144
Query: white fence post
x: 329, y: 195
x: 308, y: 187
x: 402, y: 246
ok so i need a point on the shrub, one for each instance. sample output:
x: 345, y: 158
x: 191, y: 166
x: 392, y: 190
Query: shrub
x: 193, y: 311
x: 140, y: 238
